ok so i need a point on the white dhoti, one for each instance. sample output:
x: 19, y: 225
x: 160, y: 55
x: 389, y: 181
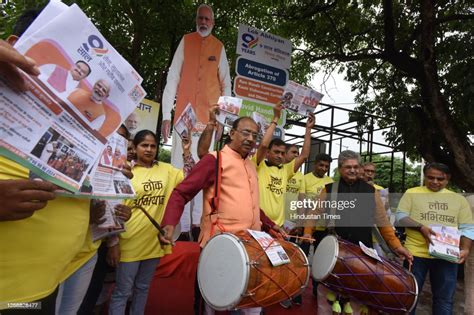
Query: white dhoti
x: 193, y: 210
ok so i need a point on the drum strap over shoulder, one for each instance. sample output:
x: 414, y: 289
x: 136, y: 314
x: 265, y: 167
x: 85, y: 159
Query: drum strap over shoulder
x: 217, y: 194
x: 217, y: 184
x: 332, y: 210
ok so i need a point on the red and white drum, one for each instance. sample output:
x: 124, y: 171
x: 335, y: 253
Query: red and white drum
x: 235, y: 273
x: 342, y: 267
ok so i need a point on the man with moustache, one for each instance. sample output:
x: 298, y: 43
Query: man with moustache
x: 199, y: 74
x: 419, y: 210
x: 238, y: 201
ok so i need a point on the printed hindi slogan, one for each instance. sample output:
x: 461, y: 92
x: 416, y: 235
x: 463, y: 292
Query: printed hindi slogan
x: 85, y: 91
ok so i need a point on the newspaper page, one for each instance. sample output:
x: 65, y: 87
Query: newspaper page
x: 83, y: 94
x: 102, y: 182
x: 275, y: 253
x: 261, y: 121
x: 445, y: 243
x: 114, y: 155
x: 186, y: 122
x: 370, y: 252
x: 106, y: 180
x: 300, y: 99
x: 229, y: 109
x: 112, y: 224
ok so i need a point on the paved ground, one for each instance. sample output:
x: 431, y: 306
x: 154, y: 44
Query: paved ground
x: 424, y: 305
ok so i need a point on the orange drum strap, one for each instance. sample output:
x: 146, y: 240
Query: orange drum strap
x: 217, y: 194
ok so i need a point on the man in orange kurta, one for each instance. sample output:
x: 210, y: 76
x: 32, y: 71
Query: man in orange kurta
x: 198, y: 75
x: 239, y: 194
x: 90, y: 104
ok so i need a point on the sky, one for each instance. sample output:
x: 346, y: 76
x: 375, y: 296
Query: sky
x: 337, y: 91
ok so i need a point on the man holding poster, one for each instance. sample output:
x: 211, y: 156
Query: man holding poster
x: 198, y: 79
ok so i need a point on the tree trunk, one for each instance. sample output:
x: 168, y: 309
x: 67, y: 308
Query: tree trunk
x: 433, y: 100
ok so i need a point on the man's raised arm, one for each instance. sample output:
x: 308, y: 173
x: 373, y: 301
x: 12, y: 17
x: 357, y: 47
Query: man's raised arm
x: 267, y: 138
x: 299, y: 160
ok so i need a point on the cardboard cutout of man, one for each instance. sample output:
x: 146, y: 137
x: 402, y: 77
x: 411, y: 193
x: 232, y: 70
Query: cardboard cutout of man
x: 199, y: 74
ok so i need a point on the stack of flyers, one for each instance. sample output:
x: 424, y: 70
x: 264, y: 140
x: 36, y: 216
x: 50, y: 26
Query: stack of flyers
x: 85, y: 90
x: 274, y: 251
x: 111, y: 226
x: 300, y: 99
x: 229, y: 109
x: 445, y: 243
x: 261, y: 121
x: 186, y: 122
x: 105, y: 180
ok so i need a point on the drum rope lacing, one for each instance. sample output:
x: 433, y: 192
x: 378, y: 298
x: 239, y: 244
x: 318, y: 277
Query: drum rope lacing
x: 395, y: 272
x: 251, y: 293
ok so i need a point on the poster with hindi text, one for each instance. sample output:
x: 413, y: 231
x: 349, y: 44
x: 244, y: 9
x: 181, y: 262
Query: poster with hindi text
x: 83, y: 94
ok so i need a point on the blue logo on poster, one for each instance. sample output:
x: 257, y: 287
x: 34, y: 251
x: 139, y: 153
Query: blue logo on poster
x: 261, y: 72
x: 249, y: 41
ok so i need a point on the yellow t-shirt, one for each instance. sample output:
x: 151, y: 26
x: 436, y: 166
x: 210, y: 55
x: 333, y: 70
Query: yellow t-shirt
x: 432, y: 208
x: 296, y: 184
x: 153, y: 187
x: 35, y: 251
x: 314, y: 184
x: 88, y: 249
x: 272, y: 183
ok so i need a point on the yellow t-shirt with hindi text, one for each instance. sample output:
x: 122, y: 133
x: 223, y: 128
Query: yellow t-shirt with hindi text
x: 272, y: 182
x: 296, y: 184
x: 34, y: 252
x: 429, y: 208
x: 314, y: 185
x: 153, y: 187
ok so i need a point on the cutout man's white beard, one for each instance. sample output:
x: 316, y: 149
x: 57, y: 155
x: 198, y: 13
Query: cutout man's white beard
x: 204, y: 33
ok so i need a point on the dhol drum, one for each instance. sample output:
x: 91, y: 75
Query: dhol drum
x: 344, y: 268
x: 234, y: 272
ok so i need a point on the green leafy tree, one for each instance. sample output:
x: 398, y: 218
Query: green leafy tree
x: 164, y: 155
x: 410, y: 62
x: 383, y: 171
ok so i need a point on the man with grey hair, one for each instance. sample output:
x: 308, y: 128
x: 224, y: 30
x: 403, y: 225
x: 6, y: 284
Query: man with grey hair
x: 356, y: 222
x: 199, y: 74
x: 358, y: 209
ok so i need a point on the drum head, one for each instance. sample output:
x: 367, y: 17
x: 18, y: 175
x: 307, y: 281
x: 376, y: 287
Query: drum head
x: 325, y: 258
x: 223, y: 271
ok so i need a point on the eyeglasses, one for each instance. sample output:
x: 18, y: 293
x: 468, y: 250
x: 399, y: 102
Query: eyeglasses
x: 440, y: 179
x: 246, y: 134
x: 351, y: 167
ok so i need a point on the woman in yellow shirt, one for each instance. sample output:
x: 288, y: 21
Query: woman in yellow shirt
x: 140, y: 248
